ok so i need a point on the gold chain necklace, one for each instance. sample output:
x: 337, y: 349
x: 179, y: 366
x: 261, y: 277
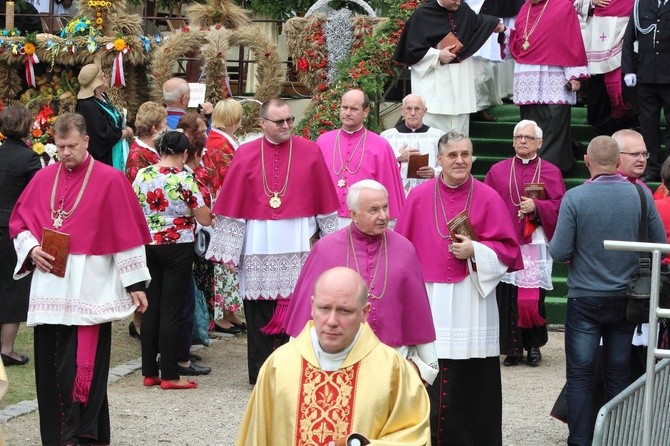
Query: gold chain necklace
x: 371, y: 284
x: 342, y: 182
x: 275, y: 200
x: 526, y: 33
x: 512, y: 179
x: 58, y: 215
x: 468, y: 205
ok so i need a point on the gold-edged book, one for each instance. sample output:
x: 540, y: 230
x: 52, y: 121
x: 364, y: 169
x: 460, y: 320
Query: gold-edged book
x: 460, y: 224
x: 56, y: 244
x: 534, y: 190
x: 415, y: 163
x: 448, y: 40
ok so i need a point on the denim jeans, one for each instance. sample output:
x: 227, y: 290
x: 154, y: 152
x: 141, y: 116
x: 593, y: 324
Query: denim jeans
x: 587, y: 320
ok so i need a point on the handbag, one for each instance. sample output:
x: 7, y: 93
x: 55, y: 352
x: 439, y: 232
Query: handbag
x: 202, y: 239
x: 638, y: 290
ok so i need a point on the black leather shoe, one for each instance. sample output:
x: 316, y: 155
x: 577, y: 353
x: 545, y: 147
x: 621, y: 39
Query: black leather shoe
x: 8, y: 360
x: 534, y: 357
x: 229, y: 330
x: 194, y: 370
x: 483, y: 115
x: 512, y: 360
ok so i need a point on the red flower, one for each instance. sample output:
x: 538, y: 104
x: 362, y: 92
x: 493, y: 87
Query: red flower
x: 169, y: 236
x: 156, y: 200
x: 185, y: 29
x: 303, y: 65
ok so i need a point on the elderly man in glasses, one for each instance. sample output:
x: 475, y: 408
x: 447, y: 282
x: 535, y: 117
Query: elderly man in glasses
x: 354, y: 153
x: 532, y: 189
x: 266, y: 217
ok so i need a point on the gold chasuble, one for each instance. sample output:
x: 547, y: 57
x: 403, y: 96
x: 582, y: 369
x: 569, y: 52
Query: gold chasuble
x: 375, y: 393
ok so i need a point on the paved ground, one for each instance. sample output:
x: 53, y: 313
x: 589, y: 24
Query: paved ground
x: 210, y: 414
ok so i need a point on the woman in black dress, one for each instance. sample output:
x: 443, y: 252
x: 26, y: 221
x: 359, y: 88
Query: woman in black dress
x: 18, y: 164
x: 105, y: 124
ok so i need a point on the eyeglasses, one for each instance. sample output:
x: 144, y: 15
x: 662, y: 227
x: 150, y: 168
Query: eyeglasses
x: 644, y: 155
x: 279, y: 122
x: 526, y: 137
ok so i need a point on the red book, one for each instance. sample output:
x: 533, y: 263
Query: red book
x: 56, y: 244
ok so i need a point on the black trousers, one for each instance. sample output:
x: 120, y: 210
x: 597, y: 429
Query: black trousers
x: 170, y: 267
x: 554, y: 120
x: 466, y: 403
x: 514, y: 340
x: 259, y: 345
x: 652, y: 98
x: 61, y: 420
x: 186, y: 324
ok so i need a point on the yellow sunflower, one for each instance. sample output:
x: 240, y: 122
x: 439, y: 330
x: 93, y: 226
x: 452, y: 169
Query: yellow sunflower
x: 29, y: 48
x: 119, y: 45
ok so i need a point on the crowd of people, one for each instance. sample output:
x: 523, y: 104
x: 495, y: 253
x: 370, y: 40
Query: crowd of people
x: 358, y: 258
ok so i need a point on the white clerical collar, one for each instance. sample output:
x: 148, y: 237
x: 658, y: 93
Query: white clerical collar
x: 351, y: 133
x: 271, y: 141
x: 526, y: 160
x: 330, y: 362
x: 454, y: 187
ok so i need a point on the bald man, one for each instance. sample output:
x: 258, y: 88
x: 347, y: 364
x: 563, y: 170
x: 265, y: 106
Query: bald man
x: 337, y: 355
x: 413, y: 137
x: 176, y: 96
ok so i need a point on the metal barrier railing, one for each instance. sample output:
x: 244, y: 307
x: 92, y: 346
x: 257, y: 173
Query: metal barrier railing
x: 621, y: 416
x: 620, y: 421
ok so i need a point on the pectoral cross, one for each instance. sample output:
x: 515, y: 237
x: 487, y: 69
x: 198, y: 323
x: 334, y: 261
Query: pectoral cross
x: 520, y: 214
x: 603, y: 37
x: 341, y: 183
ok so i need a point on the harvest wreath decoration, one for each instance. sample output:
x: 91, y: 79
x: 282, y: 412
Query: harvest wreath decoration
x: 213, y: 40
x: 319, y: 41
x: 369, y: 67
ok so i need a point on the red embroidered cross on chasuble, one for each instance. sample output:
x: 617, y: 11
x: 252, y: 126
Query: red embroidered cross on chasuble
x: 326, y: 404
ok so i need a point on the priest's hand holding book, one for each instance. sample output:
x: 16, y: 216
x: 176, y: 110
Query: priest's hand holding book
x: 405, y: 152
x: 527, y: 205
x: 42, y: 260
x: 461, y: 247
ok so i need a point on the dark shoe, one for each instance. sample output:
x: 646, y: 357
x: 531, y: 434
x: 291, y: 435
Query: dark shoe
x: 193, y: 370
x: 512, y: 360
x: 132, y: 330
x: 242, y: 326
x: 229, y: 330
x: 483, y: 115
x: 8, y: 360
x: 534, y: 357
x: 193, y: 357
